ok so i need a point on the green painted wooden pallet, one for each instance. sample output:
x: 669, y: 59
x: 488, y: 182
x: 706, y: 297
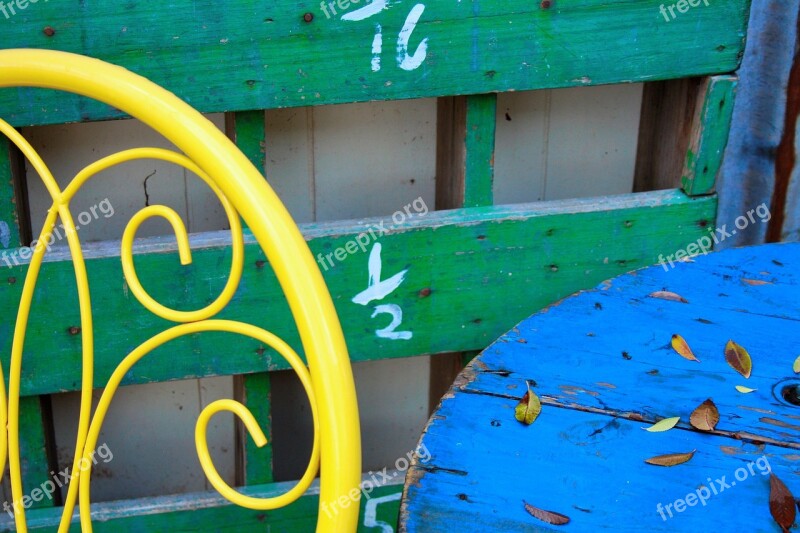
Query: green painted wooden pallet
x: 472, y: 272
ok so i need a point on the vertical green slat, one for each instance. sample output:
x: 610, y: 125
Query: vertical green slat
x: 248, y: 131
x: 33, y: 450
x: 249, y: 135
x: 8, y: 213
x: 258, y: 461
x: 710, y: 136
x: 479, y: 150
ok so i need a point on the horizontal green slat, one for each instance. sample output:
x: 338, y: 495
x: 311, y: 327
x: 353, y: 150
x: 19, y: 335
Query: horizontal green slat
x: 472, y: 274
x: 209, y: 512
x: 231, y: 56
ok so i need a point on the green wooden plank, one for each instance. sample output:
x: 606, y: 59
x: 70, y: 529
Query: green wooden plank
x: 710, y: 136
x: 32, y: 420
x: 33, y: 448
x: 471, y: 274
x: 256, y: 395
x: 209, y: 512
x: 247, y: 129
x: 480, y: 143
x: 9, y: 221
x: 232, y: 56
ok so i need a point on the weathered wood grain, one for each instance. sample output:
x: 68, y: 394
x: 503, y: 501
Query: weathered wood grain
x: 665, y: 128
x: 709, y: 136
x: 470, y: 274
x: 748, y: 174
x: 272, y: 57
x: 602, y: 364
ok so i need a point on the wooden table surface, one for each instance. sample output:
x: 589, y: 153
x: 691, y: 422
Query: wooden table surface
x: 602, y: 363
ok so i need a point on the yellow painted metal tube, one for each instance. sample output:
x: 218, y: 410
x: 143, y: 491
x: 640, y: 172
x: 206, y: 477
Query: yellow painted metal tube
x: 271, y: 225
x: 59, y: 208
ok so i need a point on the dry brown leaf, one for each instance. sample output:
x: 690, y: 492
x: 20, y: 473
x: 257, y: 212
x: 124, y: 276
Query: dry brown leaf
x: 738, y: 358
x: 756, y: 282
x: 528, y: 407
x: 670, y: 459
x: 706, y: 416
x: 679, y: 345
x: 671, y: 296
x: 781, y: 503
x: 556, y: 519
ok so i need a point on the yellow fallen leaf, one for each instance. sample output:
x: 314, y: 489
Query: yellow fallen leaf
x: 670, y: 459
x: 680, y: 346
x: 663, y: 425
x: 705, y: 417
x: 738, y: 358
x: 796, y: 365
x: 528, y: 407
x: 745, y: 390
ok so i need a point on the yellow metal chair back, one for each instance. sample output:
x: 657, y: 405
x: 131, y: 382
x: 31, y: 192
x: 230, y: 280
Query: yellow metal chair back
x: 243, y: 192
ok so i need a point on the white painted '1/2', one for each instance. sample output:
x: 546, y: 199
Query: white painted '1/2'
x: 378, y: 289
x: 404, y: 60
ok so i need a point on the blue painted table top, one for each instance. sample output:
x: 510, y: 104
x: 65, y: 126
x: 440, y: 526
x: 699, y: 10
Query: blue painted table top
x: 602, y: 364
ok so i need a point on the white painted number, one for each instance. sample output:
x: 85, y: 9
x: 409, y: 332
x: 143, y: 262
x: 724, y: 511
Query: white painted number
x: 378, y: 289
x: 397, y: 318
x: 404, y: 60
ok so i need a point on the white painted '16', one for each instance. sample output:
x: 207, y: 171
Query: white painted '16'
x: 404, y: 60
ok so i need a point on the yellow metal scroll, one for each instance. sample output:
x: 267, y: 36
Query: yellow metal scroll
x: 242, y: 190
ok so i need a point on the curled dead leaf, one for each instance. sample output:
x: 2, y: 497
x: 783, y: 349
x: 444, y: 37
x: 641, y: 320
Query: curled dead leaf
x: 745, y: 390
x: 528, y: 407
x: 663, y: 425
x: 670, y: 459
x: 667, y: 295
x: 705, y: 417
x: 738, y: 358
x: 680, y: 345
x: 756, y: 281
x: 781, y: 503
x: 556, y: 519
